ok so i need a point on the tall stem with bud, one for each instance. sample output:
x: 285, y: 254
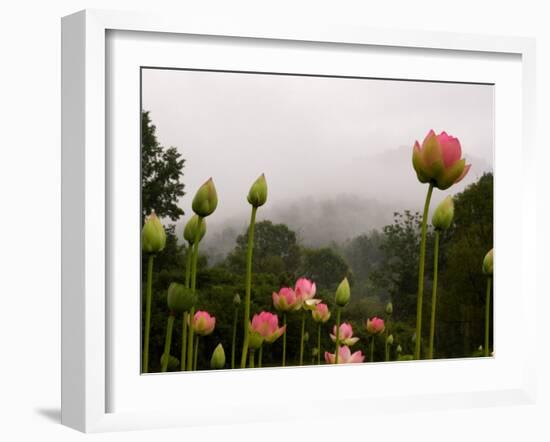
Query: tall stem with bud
x: 420, y: 295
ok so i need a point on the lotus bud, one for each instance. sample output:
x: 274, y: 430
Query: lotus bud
x: 217, y: 360
x: 399, y: 349
x: 314, y: 351
x: 173, y: 362
x: 257, y: 195
x: 480, y: 348
x: 343, y: 293
x: 438, y: 160
x: 488, y: 263
x: 190, y: 231
x: 180, y: 298
x: 413, y: 338
x: 153, y: 236
x: 320, y: 313
x: 306, y: 336
x: 389, y: 308
x: 205, y: 200
x: 443, y: 215
x: 236, y: 300
x: 375, y: 326
x: 389, y: 340
x: 266, y: 325
x: 203, y: 324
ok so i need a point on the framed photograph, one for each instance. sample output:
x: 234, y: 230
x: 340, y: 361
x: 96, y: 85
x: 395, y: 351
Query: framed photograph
x: 260, y: 208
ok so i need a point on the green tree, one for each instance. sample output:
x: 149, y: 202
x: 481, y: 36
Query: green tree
x: 324, y: 266
x: 161, y: 173
x: 276, y: 250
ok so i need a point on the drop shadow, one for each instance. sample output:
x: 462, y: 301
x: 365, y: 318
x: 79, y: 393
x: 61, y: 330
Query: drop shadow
x: 51, y: 414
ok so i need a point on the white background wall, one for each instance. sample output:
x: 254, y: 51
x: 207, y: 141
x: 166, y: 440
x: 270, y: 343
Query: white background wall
x: 30, y: 214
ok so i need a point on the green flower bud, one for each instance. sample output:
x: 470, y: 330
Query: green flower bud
x: 217, y: 360
x: 444, y: 213
x: 389, y: 340
x: 399, y: 349
x: 236, y: 300
x: 153, y: 236
x: 343, y: 293
x: 306, y: 336
x: 488, y: 263
x: 190, y: 231
x: 173, y: 362
x: 257, y: 195
x: 413, y: 338
x: 206, y: 199
x: 314, y: 351
x: 180, y: 298
x: 389, y: 308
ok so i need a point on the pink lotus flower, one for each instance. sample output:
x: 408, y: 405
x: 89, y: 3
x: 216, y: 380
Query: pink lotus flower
x: 286, y: 300
x: 344, y: 356
x: 346, y: 334
x: 438, y: 160
x: 320, y: 313
x: 305, y: 289
x: 375, y: 326
x: 266, y: 325
x: 203, y: 324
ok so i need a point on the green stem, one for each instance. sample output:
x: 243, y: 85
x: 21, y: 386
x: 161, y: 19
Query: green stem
x: 184, y: 340
x: 421, y: 274
x: 251, y: 359
x: 167, y: 342
x: 372, y: 349
x: 189, y: 259
x: 284, y: 339
x: 148, y: 298
x: 248, y: 284
x: 319, y: 344
x: 487, y: 316
x: 260, y: 354
x: 234, y: 340
x: 434, y: 296
x: 387, y: 352
x: 302, y: 337
x: 193, y: 288
x: 196, y: 352
x: 337, y: 335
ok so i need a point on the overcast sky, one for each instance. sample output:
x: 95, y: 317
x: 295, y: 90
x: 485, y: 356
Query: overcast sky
x: 316, y: 139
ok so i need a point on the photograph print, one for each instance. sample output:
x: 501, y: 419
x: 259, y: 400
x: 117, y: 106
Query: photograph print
x: 296, y: 220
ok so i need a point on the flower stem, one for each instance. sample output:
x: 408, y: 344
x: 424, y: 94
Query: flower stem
x: 302, y: 337
x: 196, y: 352
x: 148, y: 298
x: 372, y: 349
x: 284, y: 339
x: 186, y: 314
x: 248, y: 284
x: 434, y: 296
x: 251, y: 359
x: 421, y: 274
x: 184, y: 340
x: 487, y: 316
x: 260, y: 354
x: 338, y: 310
x: 194, y: 260
x: 234, y: 340
x: 167, y: 342
x: 387, y: 352
x: 319, y: 344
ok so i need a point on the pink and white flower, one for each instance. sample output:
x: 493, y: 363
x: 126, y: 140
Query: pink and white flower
x: 266, y: 325
x: 344, y: 356
x: 346, y: 334
x: 320, y: 313
x: 286, y: 300
x: 375, y: 326
x: 203, y: 324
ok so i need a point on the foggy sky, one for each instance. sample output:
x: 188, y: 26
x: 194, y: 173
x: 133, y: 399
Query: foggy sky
x: 345, y: 144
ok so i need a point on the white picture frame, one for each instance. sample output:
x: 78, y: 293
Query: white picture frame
x: 86, y: 218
